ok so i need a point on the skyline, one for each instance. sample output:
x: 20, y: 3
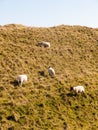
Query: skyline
x: 48, y: 13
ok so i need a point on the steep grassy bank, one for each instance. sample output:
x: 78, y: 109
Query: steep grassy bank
x: 45, y: 103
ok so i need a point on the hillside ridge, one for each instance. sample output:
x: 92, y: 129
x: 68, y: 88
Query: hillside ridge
x: 46, y: 103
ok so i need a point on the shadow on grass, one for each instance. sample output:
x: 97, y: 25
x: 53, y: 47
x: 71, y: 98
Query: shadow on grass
x: 76, y: 94
x: 71, y: 94
x: 14, y: 83
x: 41, y: 73
x: 1, y: 88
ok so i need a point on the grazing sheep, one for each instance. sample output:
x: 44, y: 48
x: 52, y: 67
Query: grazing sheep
x: 44, y: 44
x: 51, y: 71
x: 22, y: 78
x: 78, y: 89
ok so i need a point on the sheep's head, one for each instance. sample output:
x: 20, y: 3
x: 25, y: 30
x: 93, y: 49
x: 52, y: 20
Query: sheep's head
x: 49, y: 67
x: 71, y: 88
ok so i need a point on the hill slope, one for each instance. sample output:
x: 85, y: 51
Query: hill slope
x: 45, y: 103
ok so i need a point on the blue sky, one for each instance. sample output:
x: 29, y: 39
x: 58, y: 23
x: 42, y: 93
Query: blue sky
x: 48, y: 13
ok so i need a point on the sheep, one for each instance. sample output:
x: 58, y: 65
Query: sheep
x: 51, y: 71
x: 78, y: 89
x: 44, y: 44
x: 22, y: 78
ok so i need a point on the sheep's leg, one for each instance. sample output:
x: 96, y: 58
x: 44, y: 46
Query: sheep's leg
x: 18, y: 82
x: 83, y: 93
x: 21, y: 83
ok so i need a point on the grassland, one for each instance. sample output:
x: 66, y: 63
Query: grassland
x: 45, y: 103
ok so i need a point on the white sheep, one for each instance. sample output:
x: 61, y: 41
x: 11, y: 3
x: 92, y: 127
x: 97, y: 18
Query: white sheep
x: 78, y: 89
x: 22, y: 78
x: 51, y: 71
x: 44, y: 44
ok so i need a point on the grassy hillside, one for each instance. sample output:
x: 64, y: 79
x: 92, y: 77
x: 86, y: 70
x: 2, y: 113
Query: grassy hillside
x: 46, y: 103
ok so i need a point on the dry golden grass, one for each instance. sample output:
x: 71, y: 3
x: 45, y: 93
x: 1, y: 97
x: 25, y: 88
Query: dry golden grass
x: 45, y: 103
